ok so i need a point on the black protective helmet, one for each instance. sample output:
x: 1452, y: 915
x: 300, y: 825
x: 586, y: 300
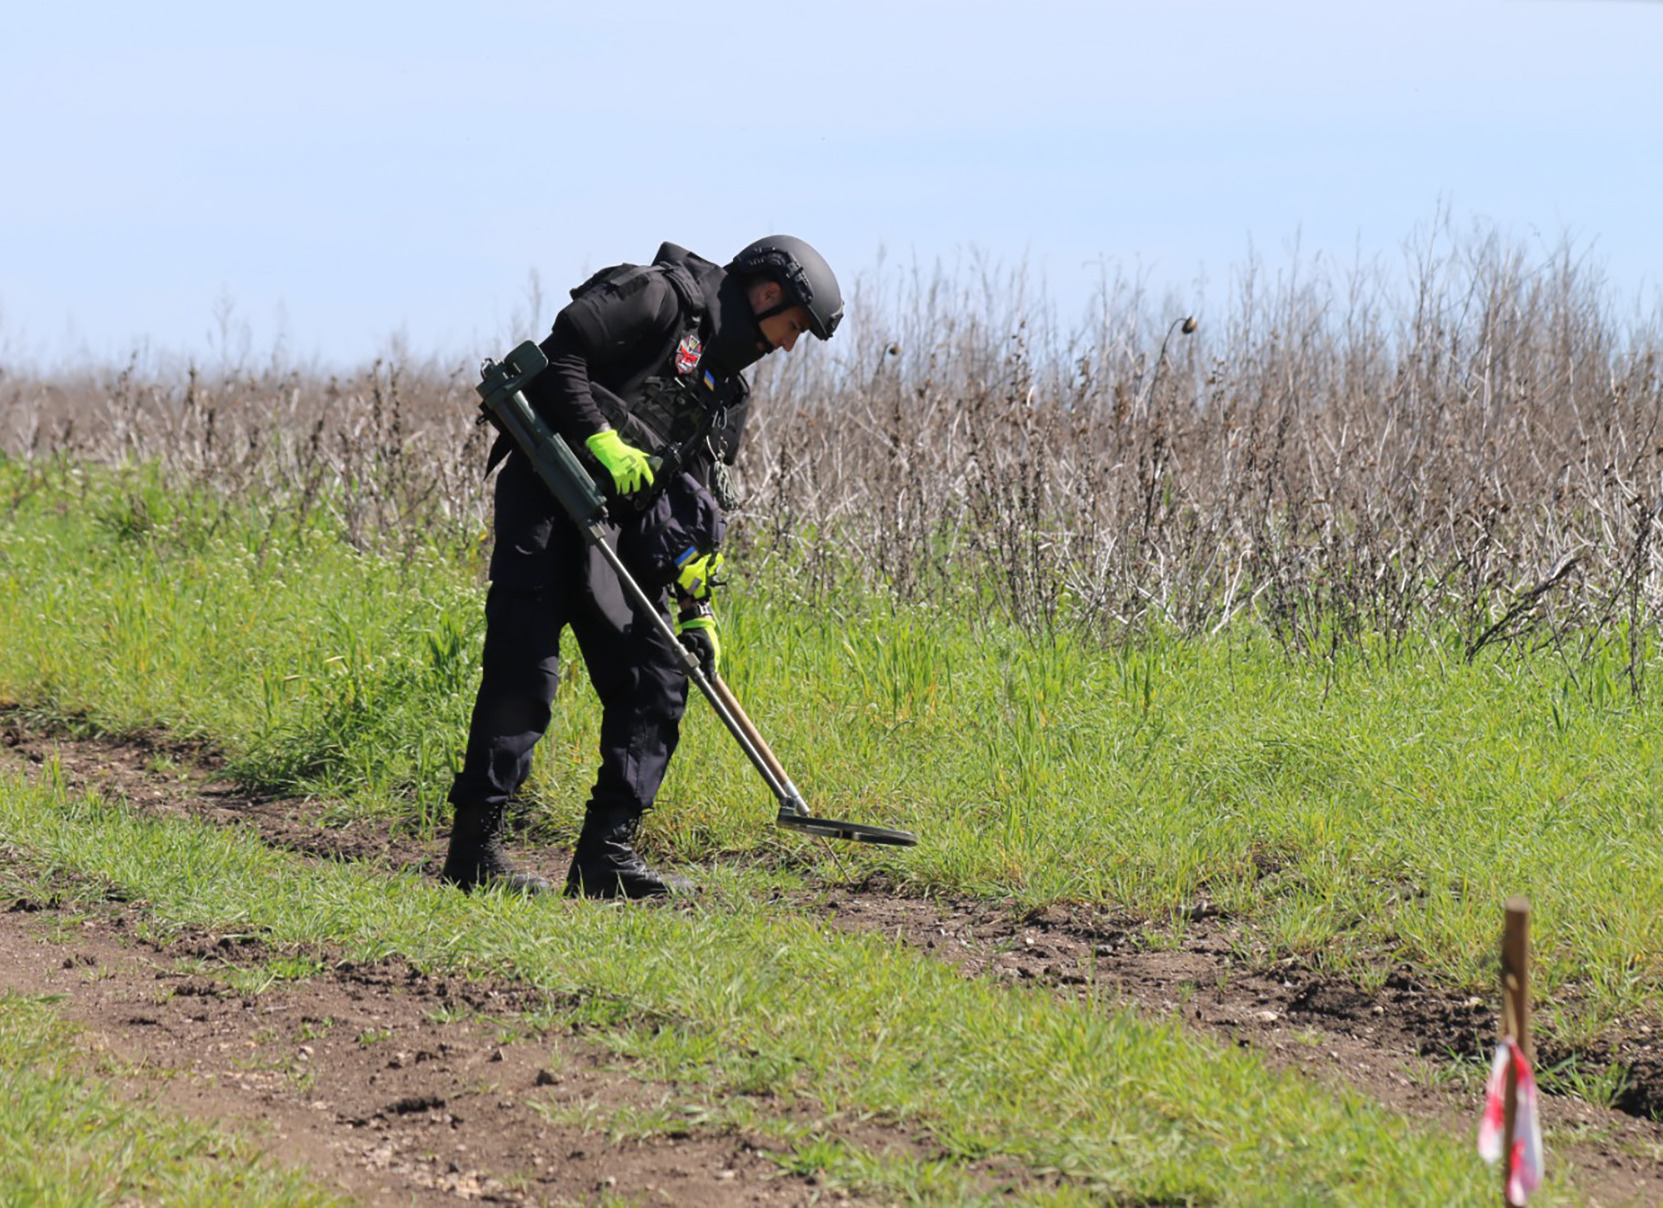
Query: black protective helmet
x: 802, y: 272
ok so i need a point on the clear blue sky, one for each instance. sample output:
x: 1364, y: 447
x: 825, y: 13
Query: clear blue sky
x: 348, y: 174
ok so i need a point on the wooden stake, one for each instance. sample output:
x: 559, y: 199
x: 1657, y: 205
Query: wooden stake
x: 1515, y: 1021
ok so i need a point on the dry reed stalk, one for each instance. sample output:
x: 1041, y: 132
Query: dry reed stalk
x: 1337, y: 457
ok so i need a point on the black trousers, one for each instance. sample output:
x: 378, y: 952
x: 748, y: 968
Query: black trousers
x: 545, y: 579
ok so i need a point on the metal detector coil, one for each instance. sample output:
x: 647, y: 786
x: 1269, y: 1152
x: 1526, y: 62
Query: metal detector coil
x: 857, y: 832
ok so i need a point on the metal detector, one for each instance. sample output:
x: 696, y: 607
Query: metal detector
x: 505, y: 406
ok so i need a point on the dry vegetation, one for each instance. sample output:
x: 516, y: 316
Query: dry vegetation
x: 1469, y: 449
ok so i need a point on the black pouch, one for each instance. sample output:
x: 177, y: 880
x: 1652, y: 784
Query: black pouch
x: 684, y: 516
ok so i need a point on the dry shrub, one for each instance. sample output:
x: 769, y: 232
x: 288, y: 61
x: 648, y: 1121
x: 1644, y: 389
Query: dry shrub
x: 1471, y: 447
x: 1337, y: 455
x: 389, y: 452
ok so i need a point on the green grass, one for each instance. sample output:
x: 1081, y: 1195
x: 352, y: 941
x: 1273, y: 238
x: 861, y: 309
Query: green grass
x: 835, y: 1038
x: 67, y: 1139
x: 1358, y: 814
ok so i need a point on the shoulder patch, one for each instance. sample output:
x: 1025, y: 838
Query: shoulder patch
x: 688, y: 353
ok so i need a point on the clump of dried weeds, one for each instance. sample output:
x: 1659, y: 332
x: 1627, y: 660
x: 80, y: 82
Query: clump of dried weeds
x: 1472, y: 448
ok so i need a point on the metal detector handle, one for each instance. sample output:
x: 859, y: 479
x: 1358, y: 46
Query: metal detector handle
x: 502, y: 398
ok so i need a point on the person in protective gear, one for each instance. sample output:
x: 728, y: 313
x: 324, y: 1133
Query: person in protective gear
x: 645, y: 382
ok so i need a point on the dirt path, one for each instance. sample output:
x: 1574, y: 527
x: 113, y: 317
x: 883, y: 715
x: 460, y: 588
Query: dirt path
x: 349, y: 1074
x: 352, y: 1076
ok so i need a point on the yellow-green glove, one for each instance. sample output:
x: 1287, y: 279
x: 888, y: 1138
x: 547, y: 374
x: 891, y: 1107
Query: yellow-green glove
x: 696, y: 573
x: 699, y: 632
x: 630, y: 468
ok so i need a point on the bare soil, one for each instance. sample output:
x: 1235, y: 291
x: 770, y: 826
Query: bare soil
x: 402, y: 1088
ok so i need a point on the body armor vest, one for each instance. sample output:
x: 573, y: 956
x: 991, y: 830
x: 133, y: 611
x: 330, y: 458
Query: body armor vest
x: 684, y: 415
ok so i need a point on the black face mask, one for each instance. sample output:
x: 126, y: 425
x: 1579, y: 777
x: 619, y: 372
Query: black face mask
x: 738, y: 341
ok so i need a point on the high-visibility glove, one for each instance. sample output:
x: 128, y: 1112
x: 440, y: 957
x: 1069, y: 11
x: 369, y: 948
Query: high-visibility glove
x: 696, y: 573
x: 699, y: 632
x: 630, y: 468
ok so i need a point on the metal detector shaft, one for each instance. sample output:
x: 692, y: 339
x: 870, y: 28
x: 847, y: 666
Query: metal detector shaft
x: 716, y: 692
x: 791, y: 801
x: 577, y: 495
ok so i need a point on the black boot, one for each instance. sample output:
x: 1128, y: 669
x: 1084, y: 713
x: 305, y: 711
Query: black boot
x: 476, y: 856
x: 606, y: 866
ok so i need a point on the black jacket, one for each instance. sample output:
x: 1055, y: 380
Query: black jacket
x: 624, y: 353
x: 630, y: 333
